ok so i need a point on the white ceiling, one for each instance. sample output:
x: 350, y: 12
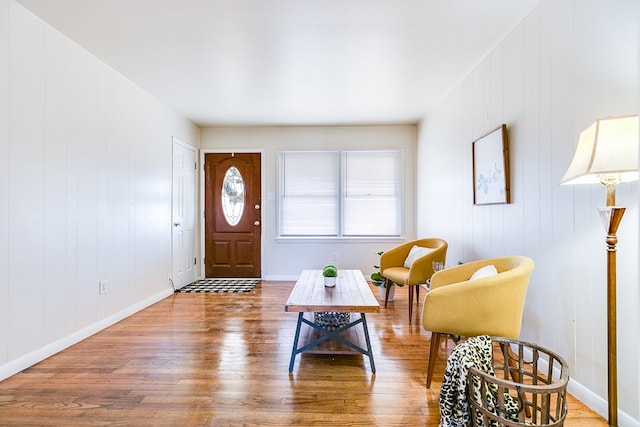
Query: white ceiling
x: 289, y: 62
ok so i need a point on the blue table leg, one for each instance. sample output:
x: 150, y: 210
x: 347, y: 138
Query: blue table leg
x: 366, y: 337
x: 295, y: 342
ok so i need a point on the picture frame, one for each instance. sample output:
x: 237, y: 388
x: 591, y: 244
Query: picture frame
x: 490, y: 154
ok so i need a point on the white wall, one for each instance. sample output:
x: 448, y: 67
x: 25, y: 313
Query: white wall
x: 284, y: 259
x: 566, y: 64
x: 85, y: 187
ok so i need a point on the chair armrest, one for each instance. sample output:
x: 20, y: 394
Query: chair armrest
x: 459, y: 273
x: 422, y: 268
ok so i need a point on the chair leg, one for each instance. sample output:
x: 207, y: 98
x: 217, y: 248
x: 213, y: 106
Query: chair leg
x: 410, y: 302
x: 433, y: 355
x: 418, y: 294
x: 386, y: 293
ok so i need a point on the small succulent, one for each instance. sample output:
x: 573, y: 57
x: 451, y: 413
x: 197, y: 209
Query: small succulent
x: 330, y: 271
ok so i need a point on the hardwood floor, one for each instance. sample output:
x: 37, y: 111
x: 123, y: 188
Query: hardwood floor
x: 222, y: 359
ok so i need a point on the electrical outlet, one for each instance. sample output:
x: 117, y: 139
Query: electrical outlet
x: 102, y: 287
x: 335, y: 256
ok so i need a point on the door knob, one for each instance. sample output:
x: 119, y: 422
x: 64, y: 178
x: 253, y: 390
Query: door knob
x: 256, y: 222
x: 176, y: 224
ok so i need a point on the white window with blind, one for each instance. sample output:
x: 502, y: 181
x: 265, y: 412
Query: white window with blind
x: 340, y: 193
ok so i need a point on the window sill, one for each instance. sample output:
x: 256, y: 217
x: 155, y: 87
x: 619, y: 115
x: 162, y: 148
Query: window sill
x: 331, y: 239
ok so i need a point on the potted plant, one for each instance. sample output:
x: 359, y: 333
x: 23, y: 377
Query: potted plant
x: 330, y: 272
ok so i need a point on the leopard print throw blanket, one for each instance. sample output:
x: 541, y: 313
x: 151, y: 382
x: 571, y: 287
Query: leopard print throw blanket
x: 454, y: 407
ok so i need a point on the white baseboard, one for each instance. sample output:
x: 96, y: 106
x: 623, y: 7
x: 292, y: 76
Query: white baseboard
x: 277, y: 278
x: 23, y: 362
x: 598, y: 404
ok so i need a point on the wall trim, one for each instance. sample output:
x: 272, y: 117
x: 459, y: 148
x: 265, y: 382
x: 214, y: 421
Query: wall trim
x: 598, y: 404
x: 17, y: 365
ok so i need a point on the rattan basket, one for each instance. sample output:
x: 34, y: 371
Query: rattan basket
x: 528, y: 387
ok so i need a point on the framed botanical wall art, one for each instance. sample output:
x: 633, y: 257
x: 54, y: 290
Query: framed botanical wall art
x: 491, y: 168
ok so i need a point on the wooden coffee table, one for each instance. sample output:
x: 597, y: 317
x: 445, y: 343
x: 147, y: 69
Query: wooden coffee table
x: 350, y: 295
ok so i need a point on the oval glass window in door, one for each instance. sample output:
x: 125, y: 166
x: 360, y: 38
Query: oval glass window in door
x: 233, y: 196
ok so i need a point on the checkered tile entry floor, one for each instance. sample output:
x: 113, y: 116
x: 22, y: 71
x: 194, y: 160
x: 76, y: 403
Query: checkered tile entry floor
x: 221, y: 285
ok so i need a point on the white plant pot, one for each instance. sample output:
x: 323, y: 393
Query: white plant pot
x: 329, y: 282
x: 383, y: 291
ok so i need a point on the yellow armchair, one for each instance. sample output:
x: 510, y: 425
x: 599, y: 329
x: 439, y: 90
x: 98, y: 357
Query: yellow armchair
x: 393, y: 269
x: 490, y: 305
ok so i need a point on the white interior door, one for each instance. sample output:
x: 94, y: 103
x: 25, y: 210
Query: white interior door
x: 183, y: 214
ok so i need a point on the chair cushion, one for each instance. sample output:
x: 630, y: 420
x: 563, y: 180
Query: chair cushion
x: 398, y: 275
x: 486, y: 271
x: 415, y: 253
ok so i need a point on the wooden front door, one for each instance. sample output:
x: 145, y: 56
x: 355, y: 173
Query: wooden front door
x: 232, y: 215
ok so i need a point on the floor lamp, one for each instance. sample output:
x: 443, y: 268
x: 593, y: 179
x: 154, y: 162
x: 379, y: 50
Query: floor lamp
x: 607, y: 153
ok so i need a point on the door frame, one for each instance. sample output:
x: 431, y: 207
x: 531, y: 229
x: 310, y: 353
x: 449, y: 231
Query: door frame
x: 203, y: 152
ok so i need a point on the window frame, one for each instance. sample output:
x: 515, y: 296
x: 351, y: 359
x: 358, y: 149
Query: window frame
x: 340, y: 203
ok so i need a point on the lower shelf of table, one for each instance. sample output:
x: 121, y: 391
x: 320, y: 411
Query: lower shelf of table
x: 345, y: 339
x: 331, y: 346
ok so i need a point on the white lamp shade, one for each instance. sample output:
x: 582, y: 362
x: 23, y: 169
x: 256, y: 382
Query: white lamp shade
x: 609, y: 147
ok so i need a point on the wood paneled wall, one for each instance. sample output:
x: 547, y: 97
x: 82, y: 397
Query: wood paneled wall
x: 564, y: 65
x: 85, y: 187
